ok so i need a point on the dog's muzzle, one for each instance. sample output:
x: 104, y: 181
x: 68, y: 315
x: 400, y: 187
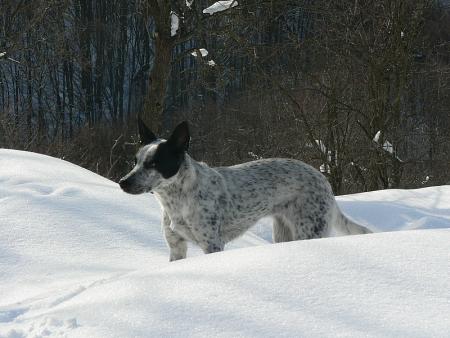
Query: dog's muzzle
x: 126, y: 184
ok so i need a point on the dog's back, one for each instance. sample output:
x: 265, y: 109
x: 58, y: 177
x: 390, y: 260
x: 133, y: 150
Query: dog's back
x: 298, y: 197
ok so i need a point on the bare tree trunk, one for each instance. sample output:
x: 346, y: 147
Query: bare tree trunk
x: 160, y: 73
x: 85, y: 17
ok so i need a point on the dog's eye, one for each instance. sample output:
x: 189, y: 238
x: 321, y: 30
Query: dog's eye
x: 149, y: 165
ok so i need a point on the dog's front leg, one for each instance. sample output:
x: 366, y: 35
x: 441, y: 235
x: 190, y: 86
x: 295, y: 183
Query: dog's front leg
x: 177, y: 244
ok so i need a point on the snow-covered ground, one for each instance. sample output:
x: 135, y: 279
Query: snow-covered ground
x: 80, y: 258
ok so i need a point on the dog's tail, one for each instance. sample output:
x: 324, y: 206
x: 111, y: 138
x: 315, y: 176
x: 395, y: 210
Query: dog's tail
x: 348, y: 227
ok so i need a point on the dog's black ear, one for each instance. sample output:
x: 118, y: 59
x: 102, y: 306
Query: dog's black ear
x: 145, y: 135
x: 180, y: 137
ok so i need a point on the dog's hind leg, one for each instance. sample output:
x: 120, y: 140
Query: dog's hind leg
x: 213, y: 247
x: 306, y: 221
x: 281, y: 230
x: 309, y: 225
x: 177, y: 244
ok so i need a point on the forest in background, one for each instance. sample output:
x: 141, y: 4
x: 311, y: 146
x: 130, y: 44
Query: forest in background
x: 360, y: 90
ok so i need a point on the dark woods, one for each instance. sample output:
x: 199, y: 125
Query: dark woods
x: 359, y: 89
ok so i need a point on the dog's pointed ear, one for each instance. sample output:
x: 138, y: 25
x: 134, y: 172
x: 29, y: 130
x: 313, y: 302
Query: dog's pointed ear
x: 146, y: 136
x: 180, y: 137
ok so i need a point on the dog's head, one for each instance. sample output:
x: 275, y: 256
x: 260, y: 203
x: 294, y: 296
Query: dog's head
x: 157, y: 161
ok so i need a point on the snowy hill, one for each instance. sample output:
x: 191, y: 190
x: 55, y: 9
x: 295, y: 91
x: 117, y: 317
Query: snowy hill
x: 80, y: 258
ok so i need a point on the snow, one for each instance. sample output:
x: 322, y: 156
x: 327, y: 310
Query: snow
x: 220, y: 6
x: 387, y: 146
x: 325, y: 168
x: 203, y: 52
x: 393, y: 209
x: 2, y: 54
x: 322, y: 146
x: 80, y: 258
x: 323, y: 149
x: 174, y: 23
x: 425, y: 181
x: 377, y: 136
x: 211, y: 63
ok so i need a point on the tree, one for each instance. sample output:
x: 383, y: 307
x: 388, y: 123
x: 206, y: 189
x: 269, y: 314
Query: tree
x: 176, y: 23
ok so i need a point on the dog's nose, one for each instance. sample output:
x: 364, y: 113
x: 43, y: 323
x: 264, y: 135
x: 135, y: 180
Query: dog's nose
x: 124, y: 183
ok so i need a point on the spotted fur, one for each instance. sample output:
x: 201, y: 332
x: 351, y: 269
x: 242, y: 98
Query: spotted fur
x: 212, y: 206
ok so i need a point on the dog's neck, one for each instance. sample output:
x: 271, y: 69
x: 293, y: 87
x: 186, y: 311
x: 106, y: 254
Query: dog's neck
x: 182, y: 181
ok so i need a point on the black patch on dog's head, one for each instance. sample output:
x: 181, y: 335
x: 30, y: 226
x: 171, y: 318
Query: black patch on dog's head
x: 170, y: 154
x: 167, y: 160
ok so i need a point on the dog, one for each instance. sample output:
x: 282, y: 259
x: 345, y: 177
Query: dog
x: 212, y: 206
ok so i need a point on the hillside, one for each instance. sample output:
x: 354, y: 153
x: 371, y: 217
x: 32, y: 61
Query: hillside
x: 80, y: 258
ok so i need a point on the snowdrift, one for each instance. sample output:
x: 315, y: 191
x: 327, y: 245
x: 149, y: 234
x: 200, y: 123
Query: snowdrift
x: 80, y: 258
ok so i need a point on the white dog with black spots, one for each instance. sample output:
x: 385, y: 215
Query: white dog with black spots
x: 212, y: 206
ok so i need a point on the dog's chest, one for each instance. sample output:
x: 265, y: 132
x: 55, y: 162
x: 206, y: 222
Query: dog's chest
x: 181, y: 210
x: 185, y: 215
x: 195, y: 210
